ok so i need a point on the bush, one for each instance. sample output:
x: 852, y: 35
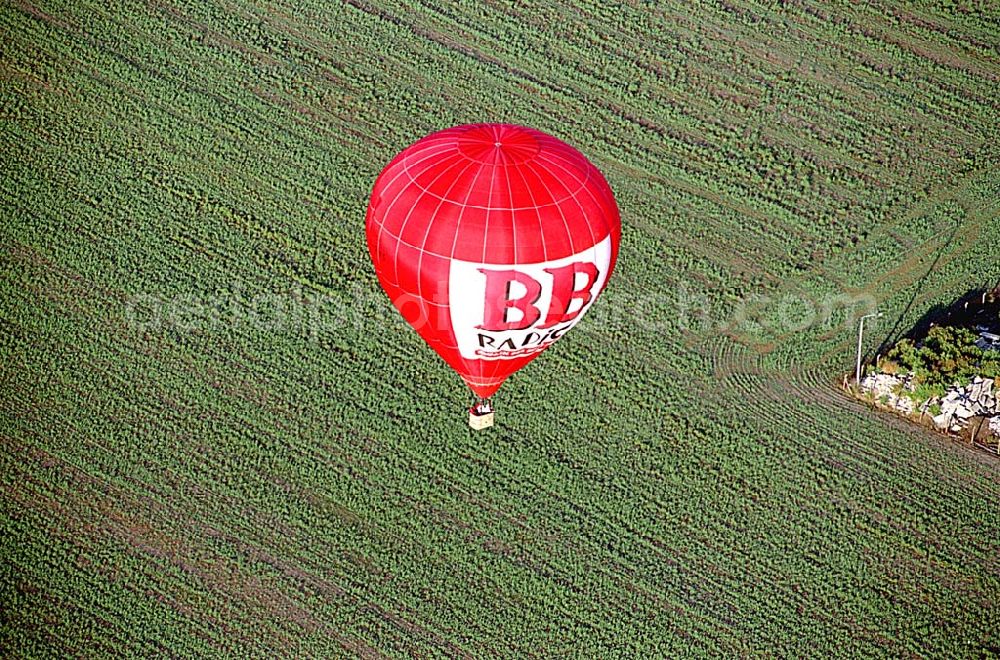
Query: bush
x: 948, y: 354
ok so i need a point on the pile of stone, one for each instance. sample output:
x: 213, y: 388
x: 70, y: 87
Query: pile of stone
x: 963, y: 402
x: 884, y: 387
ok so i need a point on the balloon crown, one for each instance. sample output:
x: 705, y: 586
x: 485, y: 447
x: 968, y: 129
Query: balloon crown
x: 498, y: 144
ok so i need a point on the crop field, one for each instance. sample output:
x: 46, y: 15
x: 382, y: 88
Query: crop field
x: 218, y: 439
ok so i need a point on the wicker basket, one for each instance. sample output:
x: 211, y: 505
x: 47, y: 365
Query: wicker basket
x: 480, y: 422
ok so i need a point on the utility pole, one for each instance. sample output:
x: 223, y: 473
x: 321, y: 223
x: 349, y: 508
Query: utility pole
x: 861, y: 330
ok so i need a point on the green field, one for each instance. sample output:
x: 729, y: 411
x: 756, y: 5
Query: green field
x: 217, y: 439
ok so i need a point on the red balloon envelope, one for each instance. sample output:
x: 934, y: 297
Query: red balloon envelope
x: 492, y: 240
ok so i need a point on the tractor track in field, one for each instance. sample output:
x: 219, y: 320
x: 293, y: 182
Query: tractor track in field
x: 797, y: 397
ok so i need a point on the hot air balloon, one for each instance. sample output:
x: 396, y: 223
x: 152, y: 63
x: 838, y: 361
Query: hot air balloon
x: 492, y: 241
